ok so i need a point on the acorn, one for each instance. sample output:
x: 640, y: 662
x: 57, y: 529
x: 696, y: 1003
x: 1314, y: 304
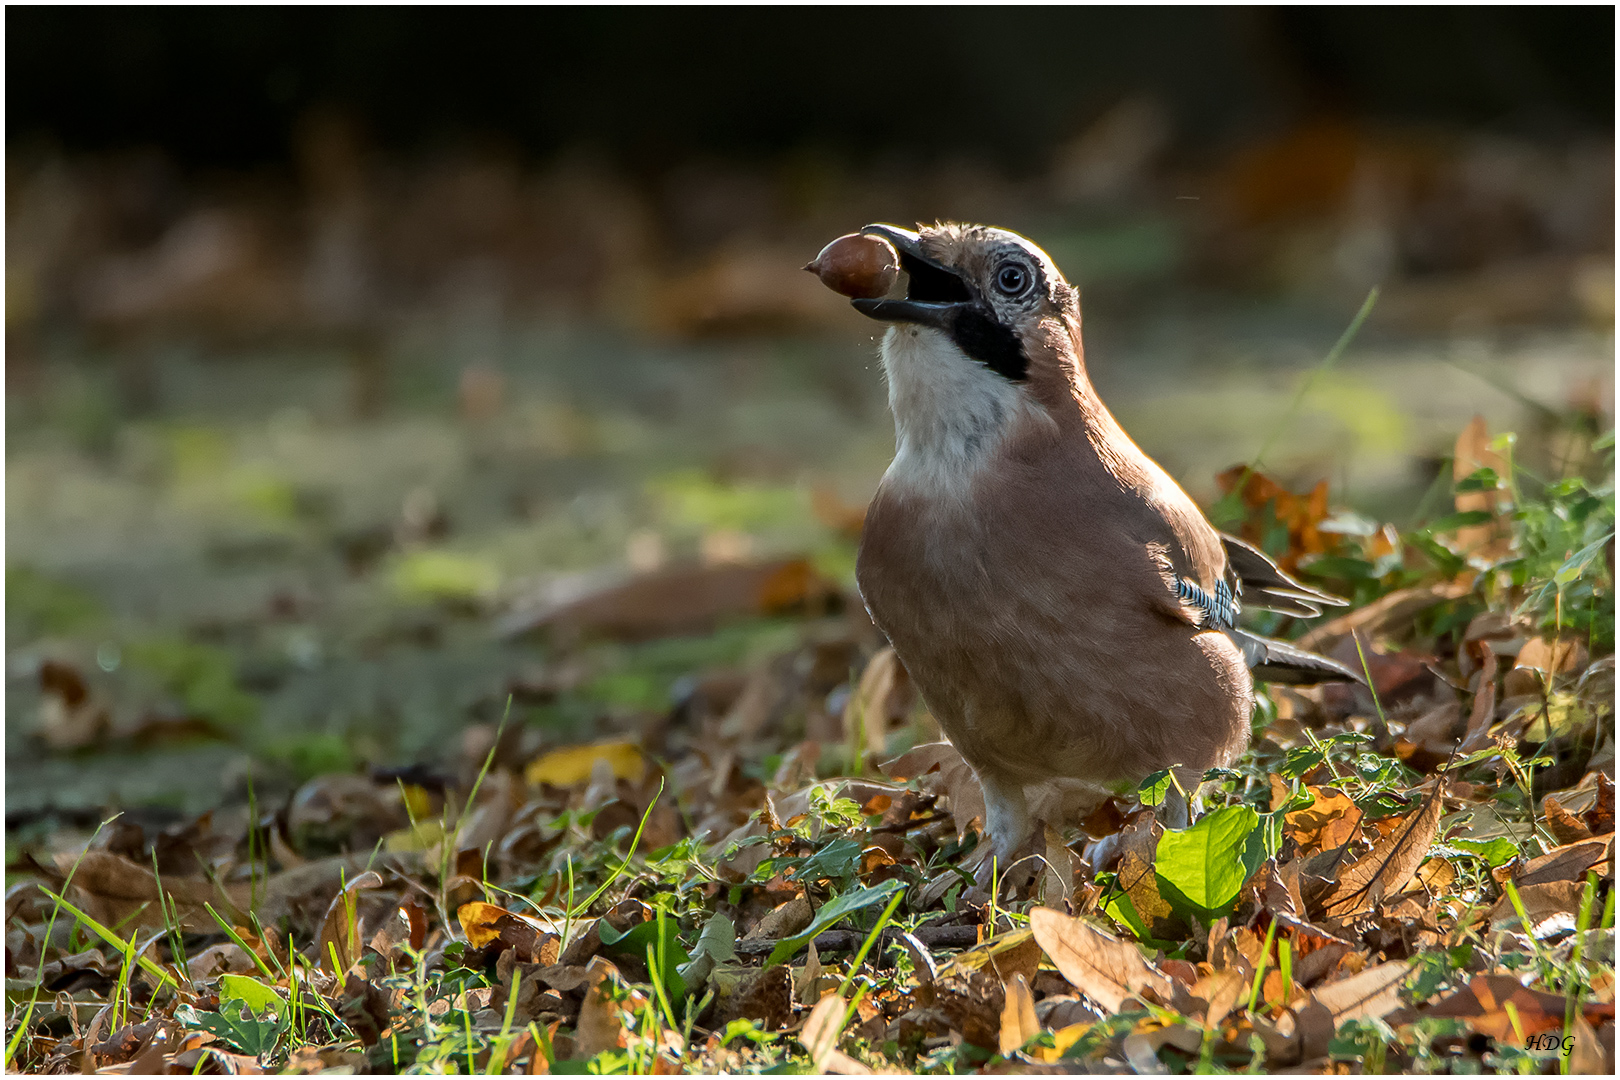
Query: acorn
x: 860, y: 266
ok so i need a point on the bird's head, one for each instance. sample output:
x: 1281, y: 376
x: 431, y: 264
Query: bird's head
x: 991, y: 292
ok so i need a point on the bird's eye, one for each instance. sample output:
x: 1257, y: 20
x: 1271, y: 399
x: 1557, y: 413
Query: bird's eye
x: 1012, y: 279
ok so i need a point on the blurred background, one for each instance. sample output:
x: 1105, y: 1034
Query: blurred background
x: 345, y: 345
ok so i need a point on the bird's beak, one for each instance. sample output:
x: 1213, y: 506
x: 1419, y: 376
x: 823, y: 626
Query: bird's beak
x: 934, y: 292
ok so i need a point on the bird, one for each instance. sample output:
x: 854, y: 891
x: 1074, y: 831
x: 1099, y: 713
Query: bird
x: 1064, y: 608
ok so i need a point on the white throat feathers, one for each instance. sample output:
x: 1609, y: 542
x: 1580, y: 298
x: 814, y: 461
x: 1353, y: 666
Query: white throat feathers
x: 950, y: 411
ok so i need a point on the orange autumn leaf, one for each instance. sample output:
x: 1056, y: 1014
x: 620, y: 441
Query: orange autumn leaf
x: 1301, y: 515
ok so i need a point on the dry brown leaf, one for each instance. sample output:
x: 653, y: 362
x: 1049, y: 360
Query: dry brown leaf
x: 1565, y: 826
x: 783, y: 921
x: 1141, y: 1048
x: 598, y: 1027
x: 882, y: 698
x: 1478, y: 734
x: 1010, y: 957
x: 1483, y: 1004
x: 1328, y: 823
x: 1004, y: 954
x: 1551, y: 655
x: 487, y: 924
x: 1385, y: 870
x: 820, y: 1037
x: 1105, y: 968
x: 1220, y: 989
x: 804, y: 982
x: 1385, y: 615
x: 1600, y: 818
x: 1549, y: 907
x: 1586, y: 1057
x: 1312, y: 967
x: 680, y: 600
x: 1018, y: 1023
x: 1373, y: 993
x: 1301, y: 514
x: 71, y: 717
x: 1057, y: 873
x: 1567, y: 863
x: 119, y: 892
x: 943, y: 772
x: 340, y: 931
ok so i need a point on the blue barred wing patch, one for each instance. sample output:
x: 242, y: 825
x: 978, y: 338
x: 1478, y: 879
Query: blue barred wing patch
x: 1218, y: 611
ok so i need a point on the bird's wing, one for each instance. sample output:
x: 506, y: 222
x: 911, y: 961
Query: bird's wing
x: 1279, y: 662
x: 1261, y: 584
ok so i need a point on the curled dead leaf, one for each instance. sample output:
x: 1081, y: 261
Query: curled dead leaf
x: 599, y: 1027
x: 339, y: 945
x: 820, y: 1037
x: 1018, y: 1023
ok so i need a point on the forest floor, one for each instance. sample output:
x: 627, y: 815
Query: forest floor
x: 534, y: 725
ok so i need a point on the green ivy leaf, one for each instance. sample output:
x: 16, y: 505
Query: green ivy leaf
x: 1204, y: 866
x: 837, y: 861
x: 1155, y: 788
x: 831, y: 912
x: 635, y: 941
x: 261, y: 999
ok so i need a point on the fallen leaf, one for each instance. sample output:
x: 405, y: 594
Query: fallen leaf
x: 782, y: 921
x: 1549, y: 907
x: 1587, y: 1057
x: 1383, y: 616
x: 1551, y: 655
x: 573, y: 764
x: 805, y: 981
x: 485, y: 925
x: 1478, y: 735
x: 1565, y: 826
x: 883, y: 697
x: 1057, y: 872
x: 1385, y: 870
x: 599, y: 1027
x: 1103, y: 967
x: 1372, y: 994
x: 820, y: 1037
x: 1567, y: 863
x: 1488, y: 541
x: 679, y: 600
x: 944, y: 772
x: 1220, y: 990
x: 764, y: 995
x: 70, y: 716
x: 1018, y: 1023
x: 1004, y: 954
x: 1600, y: 818
x: 1328, y: 823
x: 340, y: 930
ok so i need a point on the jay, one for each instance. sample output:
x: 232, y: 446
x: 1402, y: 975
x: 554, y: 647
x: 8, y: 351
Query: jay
x: 1065, y: 609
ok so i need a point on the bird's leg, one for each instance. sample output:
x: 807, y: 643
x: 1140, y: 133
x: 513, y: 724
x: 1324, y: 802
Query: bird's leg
x: 1179, y: 809
x: 1006, y: 819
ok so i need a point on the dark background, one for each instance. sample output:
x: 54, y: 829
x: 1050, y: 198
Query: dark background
x: 335, y: 336
x: 225, y: 86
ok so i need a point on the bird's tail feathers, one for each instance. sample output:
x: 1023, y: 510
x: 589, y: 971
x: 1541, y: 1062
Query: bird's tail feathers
x: 1279, y: 662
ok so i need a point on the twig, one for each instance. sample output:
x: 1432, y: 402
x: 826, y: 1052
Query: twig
x: 938, y: 937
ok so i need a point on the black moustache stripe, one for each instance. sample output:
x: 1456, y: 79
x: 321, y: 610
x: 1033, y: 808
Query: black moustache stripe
x: 989, y: 342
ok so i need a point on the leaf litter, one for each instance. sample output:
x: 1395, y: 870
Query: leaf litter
x: 781, y: 872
